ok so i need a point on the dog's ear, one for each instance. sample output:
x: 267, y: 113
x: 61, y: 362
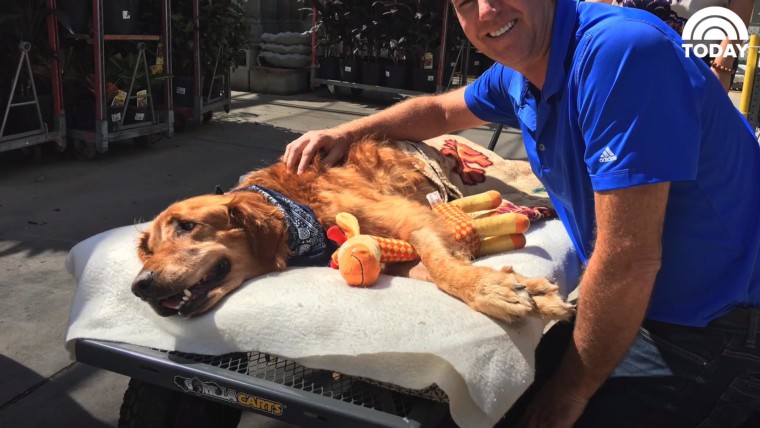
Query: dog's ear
x: 143, y: 251
x: 265, y: 227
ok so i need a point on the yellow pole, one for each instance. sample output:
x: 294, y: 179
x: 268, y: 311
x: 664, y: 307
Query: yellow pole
x: 749, y: 75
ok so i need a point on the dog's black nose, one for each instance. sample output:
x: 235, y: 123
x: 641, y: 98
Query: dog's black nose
x: 142, y: 286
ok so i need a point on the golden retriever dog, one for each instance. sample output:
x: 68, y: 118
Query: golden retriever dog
x: 199, y: 250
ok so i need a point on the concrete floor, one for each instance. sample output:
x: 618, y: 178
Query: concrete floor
x: 49, y: 205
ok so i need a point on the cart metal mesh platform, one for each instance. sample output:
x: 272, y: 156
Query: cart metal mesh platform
x: 358, y: 391
x: 274, y: 386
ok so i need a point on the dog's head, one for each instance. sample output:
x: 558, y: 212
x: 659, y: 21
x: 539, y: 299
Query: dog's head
x: 199, y: 250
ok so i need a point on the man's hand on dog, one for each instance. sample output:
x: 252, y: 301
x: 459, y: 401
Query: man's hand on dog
x: 300, y: 152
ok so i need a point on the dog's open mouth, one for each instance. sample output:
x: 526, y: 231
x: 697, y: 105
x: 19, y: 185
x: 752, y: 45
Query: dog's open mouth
x: 185, y: 302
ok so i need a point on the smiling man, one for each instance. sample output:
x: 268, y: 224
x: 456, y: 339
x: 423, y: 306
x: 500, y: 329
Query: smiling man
x: 656, y: 177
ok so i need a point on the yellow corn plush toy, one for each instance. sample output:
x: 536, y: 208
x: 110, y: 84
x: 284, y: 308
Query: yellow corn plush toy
x: 360, y: 257
x: 485, y: 232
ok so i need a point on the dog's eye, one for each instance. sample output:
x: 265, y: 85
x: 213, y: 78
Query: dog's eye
x: 187, y: 226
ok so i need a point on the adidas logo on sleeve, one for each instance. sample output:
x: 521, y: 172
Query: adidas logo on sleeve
x: 607, y: 156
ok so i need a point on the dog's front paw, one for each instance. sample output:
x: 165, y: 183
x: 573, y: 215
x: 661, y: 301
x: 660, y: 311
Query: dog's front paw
x: 549, y: 304
x: 509, y: 296
x: 497, y: 295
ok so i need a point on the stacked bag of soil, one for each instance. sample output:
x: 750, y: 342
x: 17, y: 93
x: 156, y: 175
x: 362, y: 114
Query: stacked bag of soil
x: 285, y: 50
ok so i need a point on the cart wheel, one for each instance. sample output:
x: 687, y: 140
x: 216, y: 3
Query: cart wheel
x: 149, y: 406
x: 180, y: 122
x: 60, y: 145
x: 144, y: 141
x: 207, y: 116
x: 83, y: 150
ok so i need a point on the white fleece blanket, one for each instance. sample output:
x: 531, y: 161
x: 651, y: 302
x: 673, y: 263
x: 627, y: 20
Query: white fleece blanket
x: 400, y: 331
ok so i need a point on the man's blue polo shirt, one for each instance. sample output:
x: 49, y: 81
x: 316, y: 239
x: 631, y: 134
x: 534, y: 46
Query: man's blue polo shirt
x: 623, y: 106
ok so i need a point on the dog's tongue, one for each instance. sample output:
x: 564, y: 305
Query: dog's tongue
x: 172, y: 302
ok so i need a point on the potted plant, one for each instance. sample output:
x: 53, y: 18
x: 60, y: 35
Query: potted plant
x: 371, y: 34
x: 330, y: 31
x: 224, y: 35
x: 398, y: 19
x: 353, y: 16
x: 424, y: 35
x: 121, y: 61
x: 147, y: 89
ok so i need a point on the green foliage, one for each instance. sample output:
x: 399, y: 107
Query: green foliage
x: 334, y: 24
x: 223, y: 25
x: 394, y: 30
x: 120, y: 67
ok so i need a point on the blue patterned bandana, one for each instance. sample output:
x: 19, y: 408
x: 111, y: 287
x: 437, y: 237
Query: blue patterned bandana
x: 307, y: 238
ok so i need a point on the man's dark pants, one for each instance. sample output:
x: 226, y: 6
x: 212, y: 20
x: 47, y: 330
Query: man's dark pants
x: 673, y: 376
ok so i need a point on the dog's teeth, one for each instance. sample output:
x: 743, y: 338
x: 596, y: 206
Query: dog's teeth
x: 185, y: 298
x: 188, y: 293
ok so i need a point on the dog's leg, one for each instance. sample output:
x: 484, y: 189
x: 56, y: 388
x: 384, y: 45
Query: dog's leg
x: 484, y: 289
x: 501, y: 294
x: 414, y: 270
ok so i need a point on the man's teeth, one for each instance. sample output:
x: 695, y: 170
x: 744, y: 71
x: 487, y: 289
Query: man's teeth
x: 503, y: 29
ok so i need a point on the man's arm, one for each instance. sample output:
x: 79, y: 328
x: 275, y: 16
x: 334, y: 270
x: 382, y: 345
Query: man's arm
x: 614, y: 295
x: 743, y: 8
x: 415, y: 119
x: 724, y: 64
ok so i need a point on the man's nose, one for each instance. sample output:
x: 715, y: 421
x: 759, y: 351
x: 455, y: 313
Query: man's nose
x: 487, y: 9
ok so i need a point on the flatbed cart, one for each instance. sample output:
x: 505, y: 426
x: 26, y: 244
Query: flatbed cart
x: 42, y: 132
x: 111, y: 124
x: 171, y: 389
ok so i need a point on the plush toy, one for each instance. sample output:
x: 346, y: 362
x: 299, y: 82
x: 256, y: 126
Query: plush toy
x: 360, y: 257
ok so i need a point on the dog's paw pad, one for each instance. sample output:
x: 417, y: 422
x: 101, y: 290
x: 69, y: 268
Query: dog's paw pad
x: 553, y: 307
x: 503, y: 302
x: 538, y: 285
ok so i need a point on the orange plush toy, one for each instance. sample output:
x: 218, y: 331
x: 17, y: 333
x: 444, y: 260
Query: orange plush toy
x: 360, y: 257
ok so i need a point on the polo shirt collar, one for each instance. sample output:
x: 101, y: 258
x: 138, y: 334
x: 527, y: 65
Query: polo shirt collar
x: 562, y: 32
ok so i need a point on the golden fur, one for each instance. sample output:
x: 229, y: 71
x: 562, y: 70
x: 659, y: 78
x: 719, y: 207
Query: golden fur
x: 211, y: 244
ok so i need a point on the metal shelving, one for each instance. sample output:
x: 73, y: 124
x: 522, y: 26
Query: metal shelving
x: 43, y: 132
x: 89, y: 141
x: 204, y: 105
